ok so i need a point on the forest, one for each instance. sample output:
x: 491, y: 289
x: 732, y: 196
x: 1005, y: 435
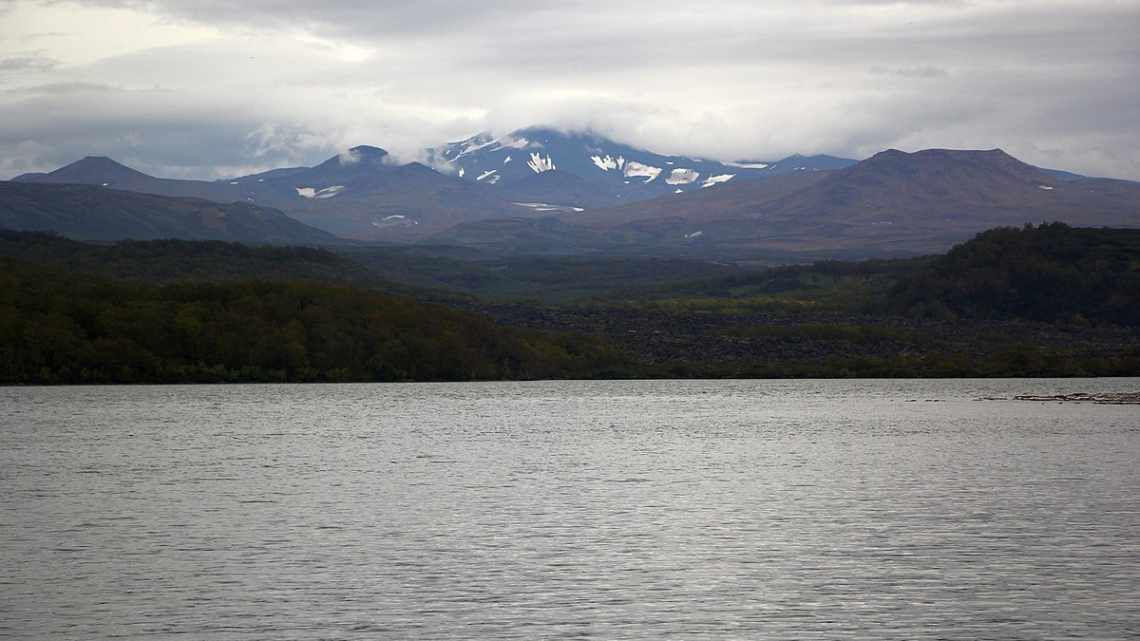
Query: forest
x: 1045, y: 300
x: 60, y: 327
x: 1047, y: 273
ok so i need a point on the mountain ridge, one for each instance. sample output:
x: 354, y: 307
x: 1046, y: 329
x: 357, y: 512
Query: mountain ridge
x: 894, y: 203
x: 658, y: 202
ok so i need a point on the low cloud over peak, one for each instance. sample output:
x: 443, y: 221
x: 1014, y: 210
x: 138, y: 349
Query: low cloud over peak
x: 213, y: 86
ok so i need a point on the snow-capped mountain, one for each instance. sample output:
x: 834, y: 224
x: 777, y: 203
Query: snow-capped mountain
x: 615, y: 173
x: 596, y: 193
x: 892, y: 204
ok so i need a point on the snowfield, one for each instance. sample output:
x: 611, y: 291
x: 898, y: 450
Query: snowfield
x: 538, y: 163
x: 608, y: 162
x: 682, y: 176
x: 542, y: 207
x: 634, y: 169
x: 716, y: 180
x: 319, y: 194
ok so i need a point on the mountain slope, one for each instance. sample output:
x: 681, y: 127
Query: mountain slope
x: 616, y: 173
x: 892, y: 203
x: 360, y: 193
x: 85, y: 212
x: 732, y: 200
x: 931, y: 198
x: 363, y: 194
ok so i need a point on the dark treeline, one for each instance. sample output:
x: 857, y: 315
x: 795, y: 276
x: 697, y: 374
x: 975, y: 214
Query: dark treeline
x: 168, y: 261
x: 1017, y: 361
x: 1047, y: 273
x: 59, y: 327
x: 1035, y: 301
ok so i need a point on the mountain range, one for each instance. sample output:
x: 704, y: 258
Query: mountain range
x: 892, y: 203
x: 357, y: 194
x: 540, y: 190
x: 364, y: 194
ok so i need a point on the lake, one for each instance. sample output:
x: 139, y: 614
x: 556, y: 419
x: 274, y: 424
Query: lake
x: 593, y: 510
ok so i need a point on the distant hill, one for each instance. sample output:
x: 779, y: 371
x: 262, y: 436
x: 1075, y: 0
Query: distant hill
x: 170, y: 261
x: 1047, y: 273
x: 928, y: 200
x: 85, y: 212
x: 105, y: 172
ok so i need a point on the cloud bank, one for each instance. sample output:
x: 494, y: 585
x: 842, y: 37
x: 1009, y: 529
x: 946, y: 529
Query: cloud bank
x: 205, y: 88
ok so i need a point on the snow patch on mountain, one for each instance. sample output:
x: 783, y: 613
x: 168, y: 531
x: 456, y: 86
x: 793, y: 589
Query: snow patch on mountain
x: 716, y: 180
x: 319, y: 194
x: 544, y: 207
x: 482, y: 143
x: 608, y: 162
x: 747, y: 165
x: 682, y: 176
x: 539, y: 163
x: 514, y: 143
x: 393, y: 221
x: 490, y: 173
x: 473, y: 145
x: 634, y: 169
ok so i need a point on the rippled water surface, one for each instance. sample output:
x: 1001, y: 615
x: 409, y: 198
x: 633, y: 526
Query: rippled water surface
x: 598, y: 510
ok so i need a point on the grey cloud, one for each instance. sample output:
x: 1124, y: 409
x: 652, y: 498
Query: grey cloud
x: 163, y: 134
x: 368, y: 18
x: 1049, y: 79
x: 60, y: 88
x: 926, y: 71
x: 27, y: 63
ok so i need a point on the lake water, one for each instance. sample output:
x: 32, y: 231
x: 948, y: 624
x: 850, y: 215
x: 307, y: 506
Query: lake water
x: 595, y: 510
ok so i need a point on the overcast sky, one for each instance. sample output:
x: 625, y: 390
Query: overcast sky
x: 210, y: 88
